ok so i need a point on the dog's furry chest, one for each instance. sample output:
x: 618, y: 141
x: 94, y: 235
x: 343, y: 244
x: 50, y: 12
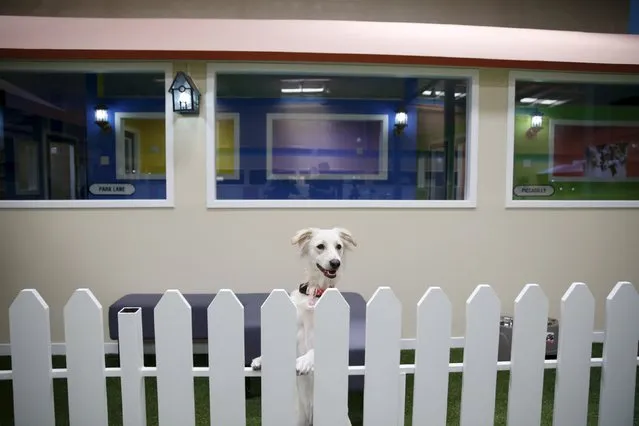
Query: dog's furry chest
x: 305, y: 322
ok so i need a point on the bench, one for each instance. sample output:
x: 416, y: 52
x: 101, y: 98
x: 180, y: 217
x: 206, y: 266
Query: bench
x: 252, y: 303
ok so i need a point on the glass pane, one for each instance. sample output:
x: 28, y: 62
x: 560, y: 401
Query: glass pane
x: 299, y: 136
x: 51, y: 147
x: 26, y: 162
x: 576, y: 141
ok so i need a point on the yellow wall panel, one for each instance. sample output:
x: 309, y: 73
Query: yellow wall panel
x: 225, y: 153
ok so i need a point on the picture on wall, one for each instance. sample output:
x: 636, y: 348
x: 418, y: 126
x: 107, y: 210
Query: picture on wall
x: 575, y: 142
x: 327, y: 146
x: 594, y: 151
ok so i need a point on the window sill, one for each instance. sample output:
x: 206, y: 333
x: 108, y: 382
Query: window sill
x: 341, y: 204
x: 85, y: 204
x: 571, y: 204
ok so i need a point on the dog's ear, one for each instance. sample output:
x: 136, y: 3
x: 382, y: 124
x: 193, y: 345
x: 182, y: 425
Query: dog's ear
x: 302, y: 237
x: 347, y: 237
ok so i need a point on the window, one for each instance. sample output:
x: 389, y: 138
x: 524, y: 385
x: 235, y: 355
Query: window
x: 332, y: 136
x: 573, y: 140
x: 131, y: 147
x: 85, y: 135
x: 227, y: 160
x: 139, y: 140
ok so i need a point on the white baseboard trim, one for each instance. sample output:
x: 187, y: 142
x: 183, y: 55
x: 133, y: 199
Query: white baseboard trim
x: 111, y: 348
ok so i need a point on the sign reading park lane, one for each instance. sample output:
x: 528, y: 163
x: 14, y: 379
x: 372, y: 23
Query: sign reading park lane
x: 112, y: 189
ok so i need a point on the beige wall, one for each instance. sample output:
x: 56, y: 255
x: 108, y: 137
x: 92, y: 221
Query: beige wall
x: 572, y: 15
x: 117, y: 251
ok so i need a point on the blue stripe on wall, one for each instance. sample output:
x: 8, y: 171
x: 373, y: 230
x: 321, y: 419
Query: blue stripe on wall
x: 633, y: 25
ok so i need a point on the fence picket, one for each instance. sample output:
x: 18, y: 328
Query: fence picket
x: 131, y: 352
x: 226, y: 359
x: 84, y: 334
x: 174, y: 360
x: 479, y: 378
x: 383, y: 334
x: 432, y: 353
x: 619, y: 370
x: 279, y: 352
x: 30, y: 334
x: 527, y: 356
x: 573, y: 356
x: 332, y: 327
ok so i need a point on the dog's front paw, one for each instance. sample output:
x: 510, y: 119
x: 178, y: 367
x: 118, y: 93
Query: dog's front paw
x: 305, y: 363
x: 256, y: 364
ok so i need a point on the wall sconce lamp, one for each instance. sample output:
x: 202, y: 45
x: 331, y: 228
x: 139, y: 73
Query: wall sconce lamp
x: 186, y: 96
x: 102, y: 117
x: 401, y: 121
x: 537, y: 120
x: 536, y: 124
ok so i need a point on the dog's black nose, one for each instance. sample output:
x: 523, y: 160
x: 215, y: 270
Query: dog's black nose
x: 335, y: 263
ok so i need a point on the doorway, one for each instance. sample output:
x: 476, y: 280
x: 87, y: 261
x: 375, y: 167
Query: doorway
x: 62, y: 176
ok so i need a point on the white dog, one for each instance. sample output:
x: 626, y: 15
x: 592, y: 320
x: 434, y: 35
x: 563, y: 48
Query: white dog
x: 324, y: 250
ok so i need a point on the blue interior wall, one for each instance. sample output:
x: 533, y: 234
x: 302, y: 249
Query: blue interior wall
x: 102, y: 143
x: 633, y: 25
x: 401, y: 149
x: 402, y: 163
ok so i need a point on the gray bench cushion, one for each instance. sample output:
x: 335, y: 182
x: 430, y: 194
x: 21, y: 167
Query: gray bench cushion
x: 252, y: 303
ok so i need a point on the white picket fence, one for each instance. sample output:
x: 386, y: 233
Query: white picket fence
x: 32, y: 372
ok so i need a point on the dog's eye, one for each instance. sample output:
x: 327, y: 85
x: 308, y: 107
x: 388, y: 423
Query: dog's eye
x: 338, y: 247
x: 320, y: 246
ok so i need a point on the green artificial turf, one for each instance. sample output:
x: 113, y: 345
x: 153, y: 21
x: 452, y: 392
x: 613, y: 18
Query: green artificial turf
x: 253, y: 402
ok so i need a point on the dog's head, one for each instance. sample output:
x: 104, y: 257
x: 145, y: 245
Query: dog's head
x: 324, y: 250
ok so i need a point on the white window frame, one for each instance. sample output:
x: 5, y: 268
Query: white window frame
x: 135, y: 149
x: 235, y: 117
x: 554, y: 77
x: 120, y: 145
x: 470, y: 202
x: 102, y: 67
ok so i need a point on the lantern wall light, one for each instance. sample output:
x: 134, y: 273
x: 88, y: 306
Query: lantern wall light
x: 401, y: 121
x: 102, y: 117
x: 536, y: 124
x: 537, y: 120
x: 186, y: 96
